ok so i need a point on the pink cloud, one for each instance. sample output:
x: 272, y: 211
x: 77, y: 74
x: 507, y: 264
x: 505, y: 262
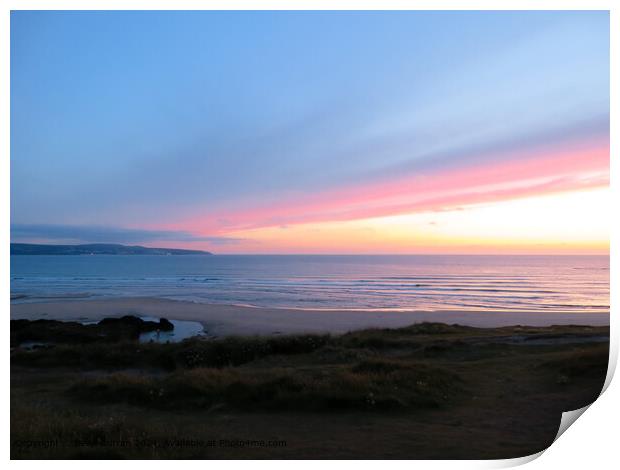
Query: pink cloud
x: 514, y: 175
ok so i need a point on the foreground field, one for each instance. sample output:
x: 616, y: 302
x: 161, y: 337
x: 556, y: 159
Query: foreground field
x: 429, y: 390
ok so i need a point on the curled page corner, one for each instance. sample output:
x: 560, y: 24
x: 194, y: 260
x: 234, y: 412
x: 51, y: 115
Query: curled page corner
x: 568, y: 418
x: 518, y: 461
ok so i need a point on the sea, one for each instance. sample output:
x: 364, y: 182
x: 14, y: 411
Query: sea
x: 356, y: 282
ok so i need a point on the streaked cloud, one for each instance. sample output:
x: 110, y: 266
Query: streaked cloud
x: 513, y: 172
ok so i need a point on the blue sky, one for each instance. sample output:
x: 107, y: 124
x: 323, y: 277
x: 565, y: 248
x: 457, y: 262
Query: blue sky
x: 152, y: 120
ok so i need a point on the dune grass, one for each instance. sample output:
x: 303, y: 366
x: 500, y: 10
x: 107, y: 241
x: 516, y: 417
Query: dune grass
x: 377, y: 384
x: 430, y: 383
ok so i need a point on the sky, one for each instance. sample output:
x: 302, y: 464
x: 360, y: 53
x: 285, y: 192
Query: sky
x: 312, y: 132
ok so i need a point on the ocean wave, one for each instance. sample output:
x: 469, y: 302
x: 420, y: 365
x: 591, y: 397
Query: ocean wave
x: 287, y: 282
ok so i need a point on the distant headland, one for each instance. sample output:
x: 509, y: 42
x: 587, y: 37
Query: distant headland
x: 97, y: 249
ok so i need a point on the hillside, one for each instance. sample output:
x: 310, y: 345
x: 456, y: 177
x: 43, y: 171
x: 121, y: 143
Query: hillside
x: 97, y: 249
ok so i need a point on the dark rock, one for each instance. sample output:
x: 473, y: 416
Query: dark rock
x: 53, y: 331
x: 127, y: 320
x: 128, y: 327
x: 165, y: 325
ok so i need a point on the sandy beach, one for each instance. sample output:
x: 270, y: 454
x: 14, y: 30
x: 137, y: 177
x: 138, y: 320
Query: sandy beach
x: 224, y: 320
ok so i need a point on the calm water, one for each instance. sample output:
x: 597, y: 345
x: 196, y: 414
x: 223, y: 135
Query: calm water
x: 562, y: 283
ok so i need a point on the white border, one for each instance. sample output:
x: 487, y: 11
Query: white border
x: 590, y: 443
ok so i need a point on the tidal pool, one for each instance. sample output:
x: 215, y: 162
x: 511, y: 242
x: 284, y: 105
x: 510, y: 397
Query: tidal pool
x: 182, y: 329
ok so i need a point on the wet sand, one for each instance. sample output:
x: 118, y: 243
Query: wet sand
x: 224, y: 320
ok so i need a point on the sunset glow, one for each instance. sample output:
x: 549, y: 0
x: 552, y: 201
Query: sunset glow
x: 410, y: 133
x: 498, y: 227
x: 525, y: 204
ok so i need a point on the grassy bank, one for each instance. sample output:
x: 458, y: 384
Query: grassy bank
x: 426, y: 391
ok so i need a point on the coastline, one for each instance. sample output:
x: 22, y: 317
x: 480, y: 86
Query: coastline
x: 228, y: 320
